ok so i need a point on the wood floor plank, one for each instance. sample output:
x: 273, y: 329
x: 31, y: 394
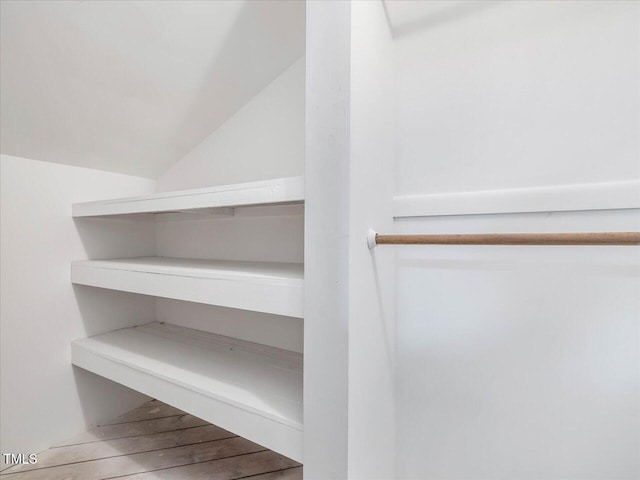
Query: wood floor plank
x: 145, y: 412
x: 224, y: 469
x: 144, y: 462
x: 109, y: 432
x: 124, y: 446
x: 294, y: 473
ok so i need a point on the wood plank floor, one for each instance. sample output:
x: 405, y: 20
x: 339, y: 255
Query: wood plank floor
x: 153, y: 442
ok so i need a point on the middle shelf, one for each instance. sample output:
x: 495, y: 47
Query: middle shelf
x: 268, y: 287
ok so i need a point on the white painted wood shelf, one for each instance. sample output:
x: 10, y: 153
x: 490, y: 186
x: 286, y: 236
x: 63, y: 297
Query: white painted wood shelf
x: 249, y: 389
x: 279, y: 191
x: 267, y: 287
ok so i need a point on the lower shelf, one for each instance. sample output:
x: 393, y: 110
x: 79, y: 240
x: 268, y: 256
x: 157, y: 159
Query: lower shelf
x: 249, y: 389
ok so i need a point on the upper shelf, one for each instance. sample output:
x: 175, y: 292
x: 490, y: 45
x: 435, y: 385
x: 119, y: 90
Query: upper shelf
x: 288, y: 190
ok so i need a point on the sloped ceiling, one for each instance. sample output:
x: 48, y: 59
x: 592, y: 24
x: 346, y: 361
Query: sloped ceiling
x: 131, y: 86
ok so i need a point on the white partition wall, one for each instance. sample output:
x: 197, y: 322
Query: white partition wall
x: 326, y: 328
x: 349, y: 169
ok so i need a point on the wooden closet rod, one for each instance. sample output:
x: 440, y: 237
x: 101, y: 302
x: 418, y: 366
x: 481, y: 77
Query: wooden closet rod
x: 600, y: 238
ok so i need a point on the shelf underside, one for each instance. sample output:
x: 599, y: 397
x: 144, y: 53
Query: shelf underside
x: 268, y: 287
x: 279, y: 191
x: 252, y: 390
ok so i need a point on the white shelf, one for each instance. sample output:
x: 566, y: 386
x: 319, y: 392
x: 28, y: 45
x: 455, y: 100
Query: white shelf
x: 252, y: 390
x: 268, y: 287
x: 266, y: 192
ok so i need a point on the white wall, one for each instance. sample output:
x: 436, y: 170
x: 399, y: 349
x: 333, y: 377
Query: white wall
x: 43, y: 398
x: 519, y: 94
x: 262, y: 140
x: 519, y: 362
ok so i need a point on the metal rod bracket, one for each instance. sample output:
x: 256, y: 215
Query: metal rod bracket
x: 371, y: 238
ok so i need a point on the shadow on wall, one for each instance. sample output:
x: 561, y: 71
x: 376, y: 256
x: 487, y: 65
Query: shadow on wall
x: 116, y: 237
x: 93, y: 389
x: 387, y: 310
x: 258, y: 59
x: 258, y: 327
x: 436, y: 17
x: 103, y: 310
